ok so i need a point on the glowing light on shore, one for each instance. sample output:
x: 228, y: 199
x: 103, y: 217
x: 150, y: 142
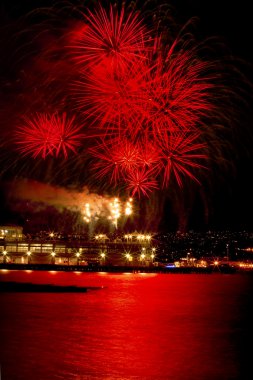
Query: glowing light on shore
x: 144, y: 238
x: 101, y: 237
x: 129, y: 257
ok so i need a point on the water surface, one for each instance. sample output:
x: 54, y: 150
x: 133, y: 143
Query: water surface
x: 138, y: 326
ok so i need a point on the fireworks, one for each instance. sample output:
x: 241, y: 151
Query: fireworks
x: 115, y: 212
x: 132, y: 109
x: 180, y: 154
x: 87, y: 213
x: 141, y: 182
x: 147, y: 101
x: 112, y: 210
x: 129, y: 207
x: 111, y: 38
x: 150, y: 115
x: 43, y: 135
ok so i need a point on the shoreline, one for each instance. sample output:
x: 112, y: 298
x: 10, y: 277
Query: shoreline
x: 123, y: 269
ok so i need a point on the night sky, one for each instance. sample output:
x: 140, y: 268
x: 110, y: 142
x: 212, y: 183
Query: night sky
x: 232, y: 23
x: 230, y: 204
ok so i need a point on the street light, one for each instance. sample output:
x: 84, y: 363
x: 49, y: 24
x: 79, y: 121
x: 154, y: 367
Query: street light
x: 4, y: 256
x: 142, y: 257
x: 102, y: 255
x: 129, y: 257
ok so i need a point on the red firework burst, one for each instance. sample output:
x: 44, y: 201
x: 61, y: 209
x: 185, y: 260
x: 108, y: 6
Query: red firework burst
x: 141, y: 182
x: 114, y: 39
x: 43, y: 135
x: 115, y: 159
x: 107, y: 164
x: 154, y: 99
x: 181, y: 155
x: 129, y: 155
x: 113, y: 100
x: 176, y: 94
x: 150, y: 155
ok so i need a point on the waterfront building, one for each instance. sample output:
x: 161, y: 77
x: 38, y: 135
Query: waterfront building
x: 77, y: 252
x: 11, y: 233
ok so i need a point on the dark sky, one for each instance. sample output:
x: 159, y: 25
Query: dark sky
x: 231, y: 22
x: 232, y: 204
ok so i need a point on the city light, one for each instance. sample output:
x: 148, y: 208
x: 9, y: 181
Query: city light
x: 101, y: 237
x: 129, y: 257
x: 184, y: 250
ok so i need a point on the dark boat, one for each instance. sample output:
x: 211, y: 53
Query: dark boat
x: 49, y: 288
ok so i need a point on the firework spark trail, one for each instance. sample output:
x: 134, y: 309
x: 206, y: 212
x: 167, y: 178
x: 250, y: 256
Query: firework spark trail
x: 114, y: 39
x: 43, y: 135
x: 149, y: 154
x: 116, y: 157
x: 111, y: 101
x: 181, y: 154
x: 178, y: 94
x: 141, y: 182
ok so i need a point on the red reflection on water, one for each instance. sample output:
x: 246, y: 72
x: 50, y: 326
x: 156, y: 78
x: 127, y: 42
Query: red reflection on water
x: 138, y: 326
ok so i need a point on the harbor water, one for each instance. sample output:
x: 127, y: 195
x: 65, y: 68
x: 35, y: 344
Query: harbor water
x: 134, y: 326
